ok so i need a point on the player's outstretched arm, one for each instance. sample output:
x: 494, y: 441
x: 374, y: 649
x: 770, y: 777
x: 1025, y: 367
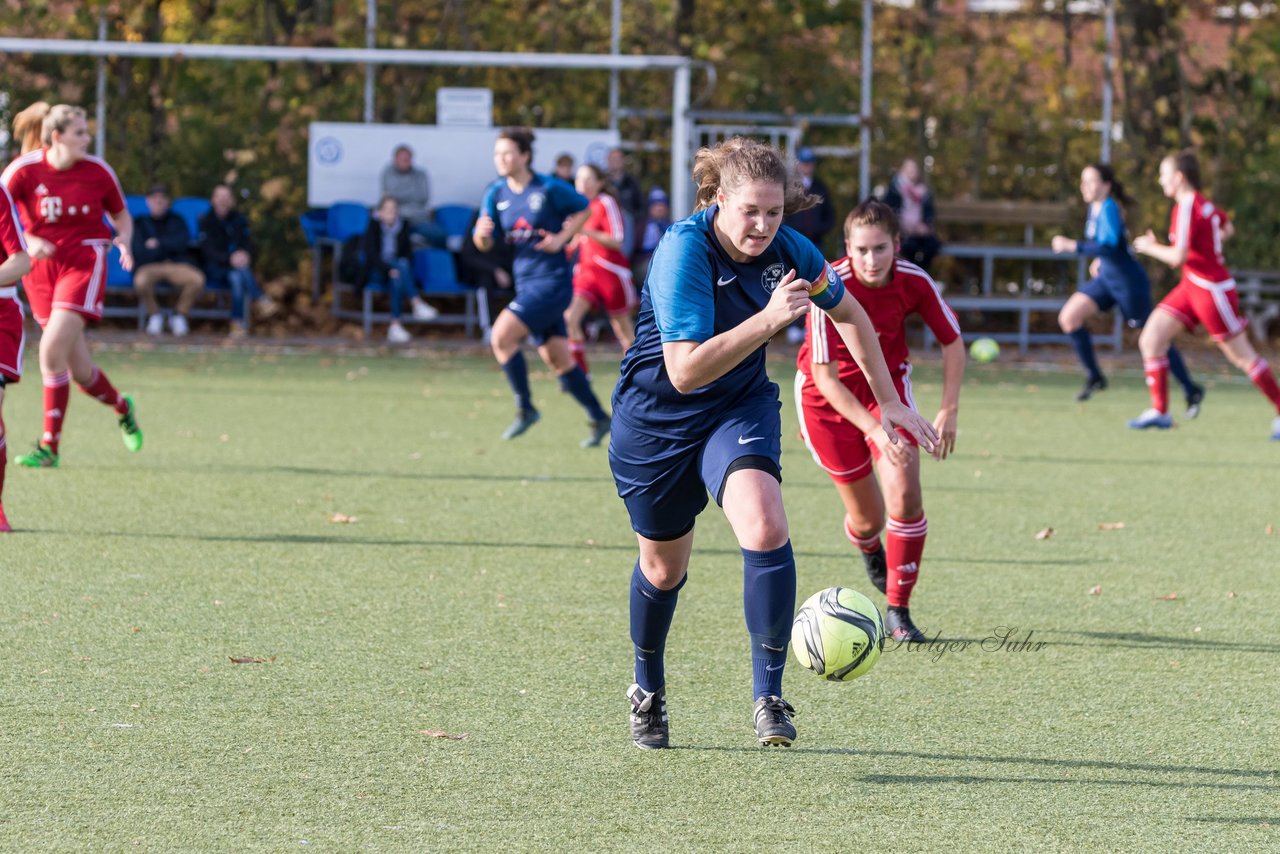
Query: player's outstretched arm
x: 855, y: 328
x: 953, y: 362
x: 123, y: 224
x: 14, y: 268
x: 826, y: 378
x: 1146, y: 244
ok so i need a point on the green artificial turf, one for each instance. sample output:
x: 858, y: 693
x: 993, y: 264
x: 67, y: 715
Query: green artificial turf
x: 481, y: 591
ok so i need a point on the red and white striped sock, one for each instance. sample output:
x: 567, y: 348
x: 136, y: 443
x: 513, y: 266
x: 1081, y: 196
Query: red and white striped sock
x: 1157, y: 371
x: 100, y: 388
x: 1260, y: 373
x: 904, y: 547
x: 578, y: 350
x: 869, y: 544
x: 57, y: 393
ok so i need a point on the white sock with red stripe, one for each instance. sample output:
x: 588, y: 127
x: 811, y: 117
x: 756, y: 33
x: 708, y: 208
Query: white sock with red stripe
x: 1260, y: 373
x: 869, y: 544
x: 904, y: 547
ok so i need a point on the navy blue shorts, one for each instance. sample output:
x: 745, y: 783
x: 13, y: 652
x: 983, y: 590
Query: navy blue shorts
x: 664, y: 481
x: 541, y: 307
x: 1134, y: 300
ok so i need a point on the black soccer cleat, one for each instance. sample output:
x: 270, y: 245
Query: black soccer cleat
x: 599, y: 429
x: 649, y: 727
x: 898, y: 625
x: 773, y: 722
x: 877, y: 568
x: 1195, y: 397
x: 1090, y: 386
x: 525, y: 418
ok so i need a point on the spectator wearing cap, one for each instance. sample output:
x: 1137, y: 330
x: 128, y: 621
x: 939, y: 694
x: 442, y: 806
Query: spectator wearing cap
x: 814, y: 222
x: 162, y: 253
x: 912, y: 200
x: 657, y: 221
x: 411, y: 189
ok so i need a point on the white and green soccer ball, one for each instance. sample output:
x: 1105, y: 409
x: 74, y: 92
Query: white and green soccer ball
x: 838, y: 634
x: 984, y: 350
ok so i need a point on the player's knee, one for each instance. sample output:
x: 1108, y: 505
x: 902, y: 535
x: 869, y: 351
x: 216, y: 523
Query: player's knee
x: 662, y: 573
x: 763, y: 534
x: 1067, y: 321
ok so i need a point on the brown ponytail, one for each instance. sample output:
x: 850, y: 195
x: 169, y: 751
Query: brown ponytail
x: 28, y: 125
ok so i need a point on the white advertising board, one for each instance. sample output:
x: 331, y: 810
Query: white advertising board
x: 345, y: 159
x: 470, y: 106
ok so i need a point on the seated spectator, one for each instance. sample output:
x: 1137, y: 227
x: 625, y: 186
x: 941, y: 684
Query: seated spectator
x: 564, y: 168
x: 408, y: 185
x: 657, y: 221
x: 490, y: 270
x: 386, y: 262
x: 912, y: 200
x: 227, y: 252
x: 162, y: 253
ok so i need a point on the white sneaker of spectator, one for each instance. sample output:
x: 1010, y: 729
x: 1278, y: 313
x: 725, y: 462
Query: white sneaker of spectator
x: 397, y: 334
x: 423, y: 311
x: 178, y: 326
x: 155, y: 324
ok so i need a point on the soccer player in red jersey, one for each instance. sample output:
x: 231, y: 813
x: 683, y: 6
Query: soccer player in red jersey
x: 602, y: 277
x: 14, y: 264
x: 1206, y: 295
x: 62, y: 194
x: 840, y: 419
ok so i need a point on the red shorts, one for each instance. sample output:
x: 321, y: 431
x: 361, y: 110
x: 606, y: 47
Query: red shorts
x: 12, y: 335
x: 839, y: 448
x: 605, y: 285
x: 75, y: 279
x: 1215, y: 306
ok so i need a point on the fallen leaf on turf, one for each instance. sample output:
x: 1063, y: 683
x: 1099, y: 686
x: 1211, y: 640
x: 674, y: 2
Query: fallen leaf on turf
x: 1230, y: 595
x: 249, y: 659
x: 1110, y: 526
x: 439, y: 733
x: 1168, y: 597
x: 343, y: 519
x: 1095, y: 590
x: 1045, y: 534
x: 1271, y: 529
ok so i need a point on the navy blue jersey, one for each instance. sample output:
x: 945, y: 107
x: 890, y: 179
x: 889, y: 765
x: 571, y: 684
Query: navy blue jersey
x: 1105, y: 238
x: 693, y: 292
x: 523, y: 219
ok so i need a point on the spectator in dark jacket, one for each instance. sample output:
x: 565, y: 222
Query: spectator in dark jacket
x: 227, y: 250
x: 162, y: 253
x: 912, y: 200
x: 629, y: 195
x: 814, y: 222
x: 386, y: 262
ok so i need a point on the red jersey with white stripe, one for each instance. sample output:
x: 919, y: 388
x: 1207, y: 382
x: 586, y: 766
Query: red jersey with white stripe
x: 909, y: 292
x: 11, y: 331
x: 1198, y: 225
x: 64, y: 206
x: 11, y: 239
x: 605, y: 216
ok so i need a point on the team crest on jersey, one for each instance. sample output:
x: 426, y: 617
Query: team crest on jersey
x: 535, y: 202
x: 1206, y: 210
x: 772, y: 275
x: 42, y: 190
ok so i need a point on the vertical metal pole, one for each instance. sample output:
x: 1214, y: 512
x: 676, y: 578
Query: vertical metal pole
x: 370, y: 33
x: 615, y: 48
x: 681, y: 134
x: 100, y: 133
x: 864, y: 128
x: 1108, y: 65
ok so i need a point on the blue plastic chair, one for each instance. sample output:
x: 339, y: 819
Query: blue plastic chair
x: 438, y: 277
x: 137, y: 205
x: 343, y: 221
x: 191, y: 208
x: 315, y: 225
x: 121, y: 281
x: 455, y: 222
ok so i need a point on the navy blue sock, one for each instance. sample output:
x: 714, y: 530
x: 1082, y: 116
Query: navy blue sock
x: 518, y: 377
x: 576, y: 383
x: 769, y: 600
x: 651, y: 613
x: 1178, y: 368
x: 1082, y: 340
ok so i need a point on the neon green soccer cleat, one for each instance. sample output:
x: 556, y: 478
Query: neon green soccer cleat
x: 41, y: 458
x: 129, y: 429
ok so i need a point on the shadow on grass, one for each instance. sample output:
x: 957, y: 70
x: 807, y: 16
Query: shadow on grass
x: 1259, y: 820
x: 967, y: 779
x: 1139, y: 640
x: 1273, y: 777
x: 1134, y: 462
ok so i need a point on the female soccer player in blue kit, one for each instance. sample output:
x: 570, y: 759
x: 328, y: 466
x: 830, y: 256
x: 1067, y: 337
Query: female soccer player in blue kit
x: 537, y: 215
x: 1118, y: 280
x: 695, y: 412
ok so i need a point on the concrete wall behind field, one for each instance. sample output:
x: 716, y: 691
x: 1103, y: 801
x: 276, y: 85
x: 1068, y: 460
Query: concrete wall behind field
x: 345, y: 160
